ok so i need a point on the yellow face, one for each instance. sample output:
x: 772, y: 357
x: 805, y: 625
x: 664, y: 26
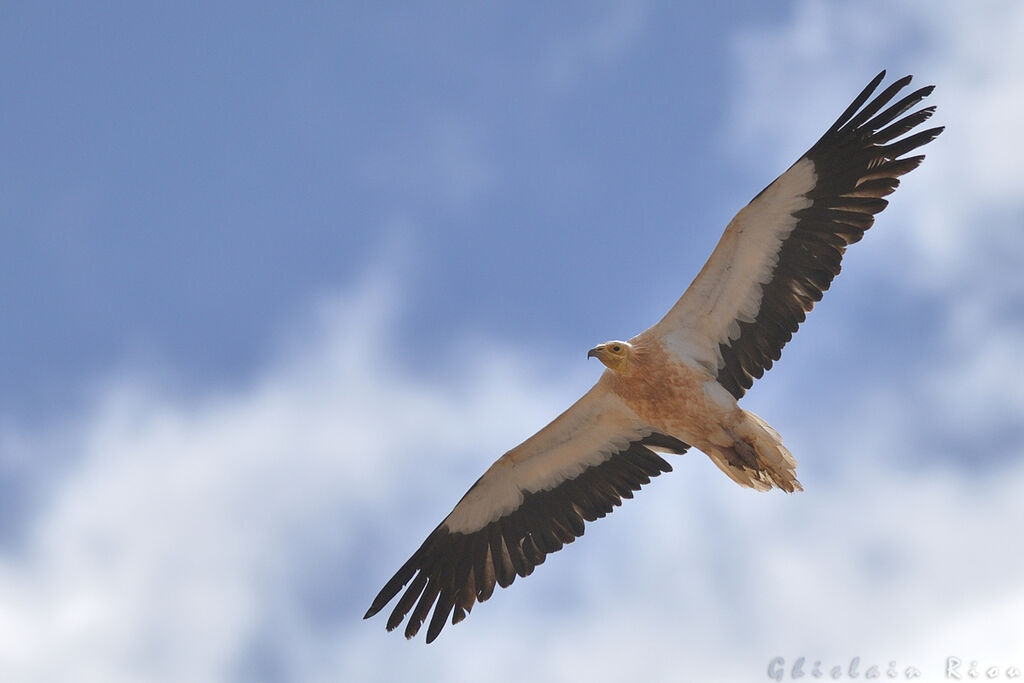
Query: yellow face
x: 613, y: 354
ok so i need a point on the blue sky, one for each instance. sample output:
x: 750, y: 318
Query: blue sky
x: 279, y: 284
x: 180, y: 181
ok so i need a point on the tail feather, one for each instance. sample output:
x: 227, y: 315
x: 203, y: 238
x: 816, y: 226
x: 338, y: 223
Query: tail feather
x: 758, y: 459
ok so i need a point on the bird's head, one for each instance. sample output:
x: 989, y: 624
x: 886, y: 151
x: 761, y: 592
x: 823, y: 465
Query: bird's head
x: 614, y: 354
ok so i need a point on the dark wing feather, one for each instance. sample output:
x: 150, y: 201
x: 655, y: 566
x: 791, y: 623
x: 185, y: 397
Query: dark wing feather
x: 452, y: 571
x: 857, y: 162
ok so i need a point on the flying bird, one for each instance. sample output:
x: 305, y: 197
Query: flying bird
x: 675, y: 385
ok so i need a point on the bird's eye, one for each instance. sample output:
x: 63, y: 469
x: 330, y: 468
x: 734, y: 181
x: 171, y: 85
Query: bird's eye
x: 616, y: 348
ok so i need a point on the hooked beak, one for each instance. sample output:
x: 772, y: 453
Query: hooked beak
x: 595, y: 352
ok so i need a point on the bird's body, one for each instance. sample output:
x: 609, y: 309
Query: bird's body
x: 677, y: 396
x: 677, y: 384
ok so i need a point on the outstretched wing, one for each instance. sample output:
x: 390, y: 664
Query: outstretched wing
x: 784, y: 248
x: 532, y: 501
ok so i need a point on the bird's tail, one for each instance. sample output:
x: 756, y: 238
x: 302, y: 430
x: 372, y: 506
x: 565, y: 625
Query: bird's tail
x: 758, y: 459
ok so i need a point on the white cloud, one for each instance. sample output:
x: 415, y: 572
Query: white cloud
x: 195, y: 539
x: 172, y: 537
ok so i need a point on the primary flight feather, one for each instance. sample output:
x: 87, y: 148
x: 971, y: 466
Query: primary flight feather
x: 675, y: 385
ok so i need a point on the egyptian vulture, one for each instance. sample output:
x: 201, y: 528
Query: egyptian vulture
x: 676, y: 385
